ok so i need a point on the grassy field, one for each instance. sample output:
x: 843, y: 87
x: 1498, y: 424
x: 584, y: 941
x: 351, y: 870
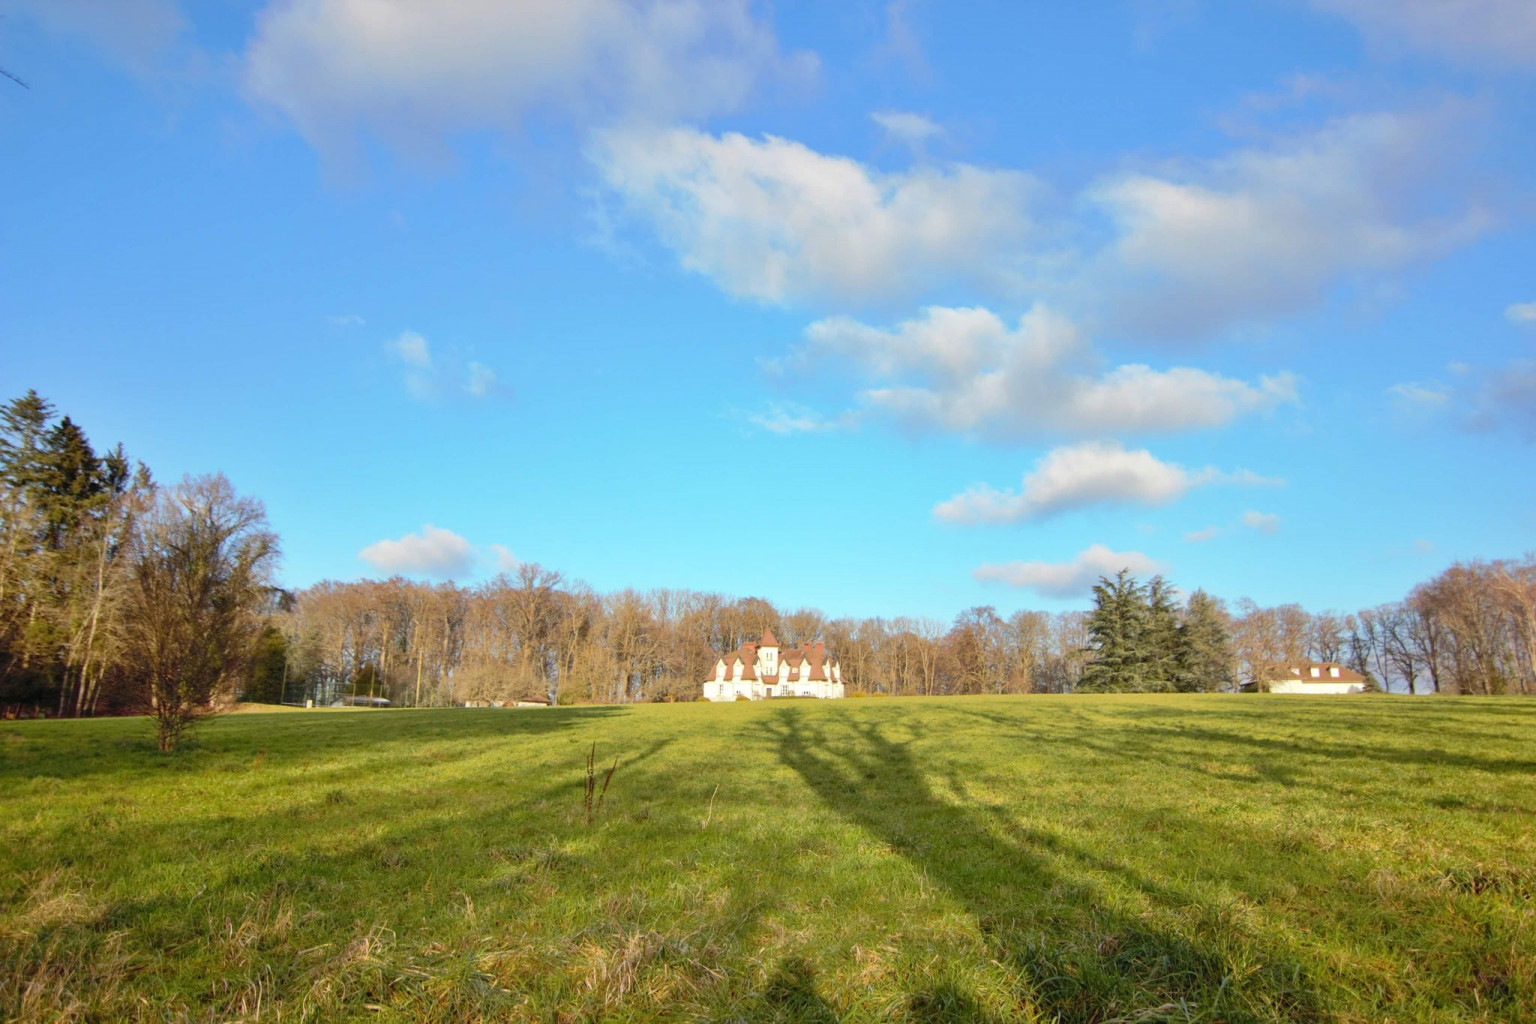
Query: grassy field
x: 991, y: 859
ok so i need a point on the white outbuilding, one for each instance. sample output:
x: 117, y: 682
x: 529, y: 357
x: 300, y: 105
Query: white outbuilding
x: 1317, y: 678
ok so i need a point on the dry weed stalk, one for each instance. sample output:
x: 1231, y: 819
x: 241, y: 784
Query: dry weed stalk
x: 593, y: 807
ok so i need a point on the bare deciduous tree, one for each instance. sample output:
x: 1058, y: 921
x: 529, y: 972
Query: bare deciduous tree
x: 202, y: 558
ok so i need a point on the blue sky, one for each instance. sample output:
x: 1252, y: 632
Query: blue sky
x: 885, y: 308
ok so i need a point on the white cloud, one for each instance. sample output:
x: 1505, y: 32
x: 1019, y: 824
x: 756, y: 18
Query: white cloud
x: 1068, y: 579
x: 1475, y: 32
x: 415, y: 71
x: 1077, y: 476
x: 430, y: 377
x: 1521, y: 313
x: 480, y: 381
x: 346, y: 320
x: 432, y: 552
x: 506, y: 561
x: 901, y: 41
x: 1422, y: 395
x: 1201, y: 536
x: 794, y: 419
x: 966, y: 371
x: 1267, y: 231
x: 1506, y: 398
x: 1264, y: 522
x: 773, y: 220
x: 1423, y: 546
x: 1179, y: 249
x: 412, y: 349
x: 909, y: 129
x: 135, y: 32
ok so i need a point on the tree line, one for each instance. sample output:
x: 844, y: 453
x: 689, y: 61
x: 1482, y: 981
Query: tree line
x: 532, y: 633
x: 118, y: 594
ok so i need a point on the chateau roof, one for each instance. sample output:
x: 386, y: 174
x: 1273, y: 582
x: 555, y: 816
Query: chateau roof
x: 1325, y: 669
x: 806, y: 663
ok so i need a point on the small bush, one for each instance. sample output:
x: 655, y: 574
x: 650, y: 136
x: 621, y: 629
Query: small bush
x: 742, y: 696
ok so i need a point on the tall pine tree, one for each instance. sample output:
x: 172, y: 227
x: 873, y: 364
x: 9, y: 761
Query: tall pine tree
x: 1205, y: 659
x: 1117, y: 629
x: 1160, y: 639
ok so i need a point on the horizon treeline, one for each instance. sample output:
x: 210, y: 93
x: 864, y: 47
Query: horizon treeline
x: 70, y: 561
x: 1470, y: 630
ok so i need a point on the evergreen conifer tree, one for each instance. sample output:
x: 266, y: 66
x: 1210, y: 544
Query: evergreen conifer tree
x: 1205, y: 656
x: 1160, y: 638
x: 1117, y: 629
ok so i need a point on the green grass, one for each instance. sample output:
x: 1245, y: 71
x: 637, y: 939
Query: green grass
x: 992, y: 859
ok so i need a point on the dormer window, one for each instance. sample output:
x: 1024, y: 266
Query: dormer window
x: 1334, y: 671
x: 1316, y: 672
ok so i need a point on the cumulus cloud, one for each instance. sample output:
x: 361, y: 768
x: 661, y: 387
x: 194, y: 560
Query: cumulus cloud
x: 480, y: 381
x: 1506, y: 399
x: 1473, y: 32
x: 1521, y: 313
x: 428, y: 377
x: 412, y: 349
x: 506, y: 561
x: 1269, y: 230
x: 795, y: 419
x: 414, y: 71
x: 909, y: 129
x: 966, y: 371
x: 1176, y: 250
x: 1481, y: 399
x: 432, y: 552
x: 1419, y: 395
x: 1077, y: 476
x: 773, y: 220
x: 1264, y: 522
x: 1068, y: 579
x: 1201, y: 536
x: 901, y: 42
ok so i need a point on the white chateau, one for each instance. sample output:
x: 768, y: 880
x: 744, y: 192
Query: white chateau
x: 757, y: 671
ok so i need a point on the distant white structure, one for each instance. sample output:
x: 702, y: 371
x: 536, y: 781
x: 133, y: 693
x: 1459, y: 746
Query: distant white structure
x: 1315, y: 677
x: 758, y: 671
x: 347, y: 700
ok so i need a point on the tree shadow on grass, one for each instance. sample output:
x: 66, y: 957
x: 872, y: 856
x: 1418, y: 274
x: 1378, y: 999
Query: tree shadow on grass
x: 1167, y: 736
x: 1336, y: 751
x: 83, y: 748
x: 1083, y: 962
x: 790, y: 997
